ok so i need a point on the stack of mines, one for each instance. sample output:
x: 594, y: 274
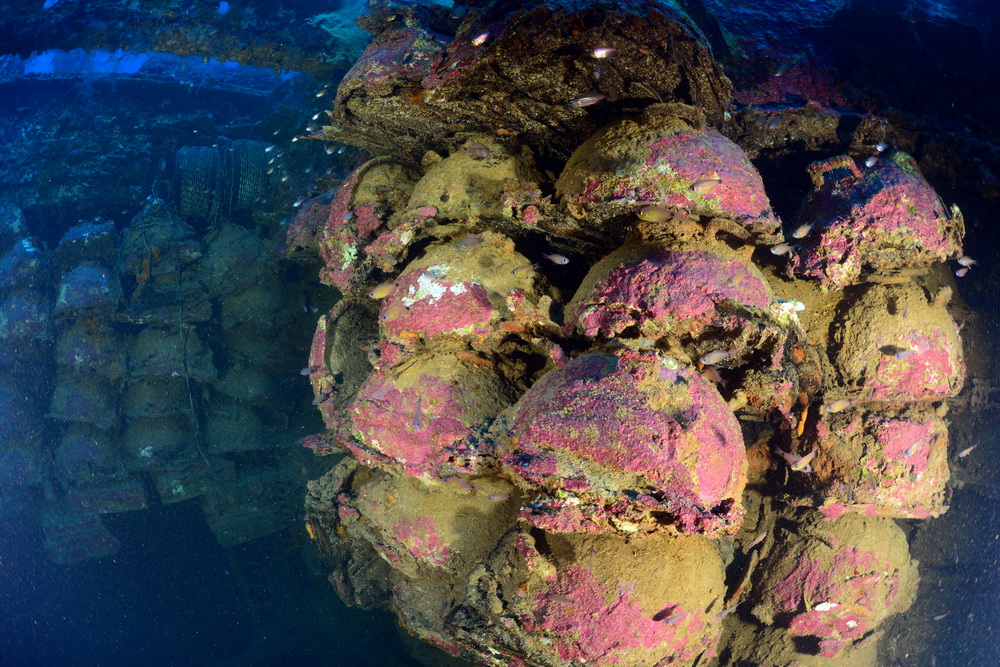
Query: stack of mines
x: 541, y: 477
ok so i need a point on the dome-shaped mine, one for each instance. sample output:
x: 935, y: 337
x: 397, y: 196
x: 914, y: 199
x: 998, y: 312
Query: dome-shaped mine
x: 892, y: 345
x: 880, y: 221
x: 457, y: 289
x: 666, y: 158
x: 650, y: 291
x: 629, y: 442
x: 892, y: 464
x: 835, y: 582
x: 417, y: 415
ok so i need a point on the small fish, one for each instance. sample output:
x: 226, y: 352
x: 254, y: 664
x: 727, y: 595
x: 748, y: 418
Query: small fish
x: 299, y: 202
x: 757, y: 540
x: 587, y: 100
x: 317, y: 115
x: 781, y: 249
x: 468, y: 242
x: 382, y: 291
x: 962, y: 271
x: 728, y: 610
x: 712, y: 358
x: 322, y: 397
x: 941, y: 617
x: 269, y: 148
x: 706, y: 184
x: 498, y: 497
x: 881, y: 146
x: 603, y: 51
x: 655, y: 214
x: 285, y: 178
x: 330, y: 150
x: 670, y: 620
x: 479, y: 39
x: 417, y: 420
x: 319, y: 94
x: 839, y: 405
x: 965, y: 452
x: 871, y: 162
x: 523, y: 269
x: 459, y: 482
x: 556, y: 259
x: 313, y: 309
x: 559, y: 599
x: 903, y: 354
x: 477, y: 151
x: 796, y: 462
x: 913, y: 448
x: 394, y: 312
x: 965, y: 260
x: 801, y: 231
x: 714, y: 377
x: 306, y: 371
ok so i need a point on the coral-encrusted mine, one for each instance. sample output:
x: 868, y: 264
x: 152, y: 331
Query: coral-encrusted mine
x: 416, y: 417
x: 553, y: 389
x: 664, y: 160
x: 596, y: 600
x: 893, y: 465
x: 881, y: 220
x: 627, y: 441
x: 657, y: 291
x: 895, y: 346
x: 836, y: 582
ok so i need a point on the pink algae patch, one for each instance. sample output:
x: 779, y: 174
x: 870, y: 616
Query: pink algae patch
x: 412, y: 427
x: 585, y: 626
x: 928, y: 373
x: 670, y: 285
x: 851, y: 578
x: 666, y: 437
x: 907, y: 442
x: 453, y: 307
x: 420, y: 538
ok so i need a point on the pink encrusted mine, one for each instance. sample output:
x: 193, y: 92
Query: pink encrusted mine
x: 412, y: 426
x: 345, y: 232
x: 589, y: 626
x: 405, y: 54
x: 911, y: 352
x: 821, y: 583
x: 882, y: 219
x: 623, y: 441
x: 679, y: 169
x: 885, y: 466
x: 927, y: 373
x: 300, y: 237
x: 427, y: 302
x: 668, y: 290
x: 419, y: 536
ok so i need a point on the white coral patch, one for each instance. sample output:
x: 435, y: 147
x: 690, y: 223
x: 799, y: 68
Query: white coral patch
x: 427, y: 286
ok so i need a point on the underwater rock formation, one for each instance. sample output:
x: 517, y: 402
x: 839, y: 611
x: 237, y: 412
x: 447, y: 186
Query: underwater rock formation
x: 553, y: 386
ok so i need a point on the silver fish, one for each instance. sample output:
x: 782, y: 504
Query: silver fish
x: 781, y: 249
x: 712, y: 358
x: 587, y: 100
